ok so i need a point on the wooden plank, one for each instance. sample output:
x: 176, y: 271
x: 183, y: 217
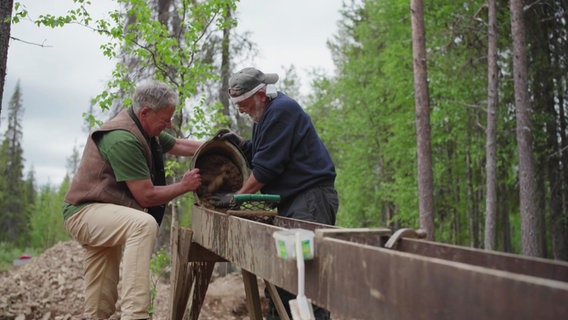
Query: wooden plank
x: 199, y: 254
x: 369, y: 236
x: 252, y: 213
x: 179, y: 292
x: 252, y: 296
x: 289, y: 223
x: 189, y: 280
x: 360, y: 281
x: 386, y: 284
x: 198, y: 275
x: 278, y: 305
x: 248, y: 244
x: 544, y: 268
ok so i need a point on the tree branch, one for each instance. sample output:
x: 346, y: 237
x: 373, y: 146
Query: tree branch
x: 43, y: 45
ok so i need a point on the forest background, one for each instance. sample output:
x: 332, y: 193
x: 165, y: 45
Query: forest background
x: 366, y: 114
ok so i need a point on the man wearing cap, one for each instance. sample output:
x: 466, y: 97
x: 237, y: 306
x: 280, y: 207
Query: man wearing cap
x: 286, y: 156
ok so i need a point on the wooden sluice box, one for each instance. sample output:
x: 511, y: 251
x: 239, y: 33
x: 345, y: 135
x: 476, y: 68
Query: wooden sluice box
x: 355, y: 273
x: 366, y: 273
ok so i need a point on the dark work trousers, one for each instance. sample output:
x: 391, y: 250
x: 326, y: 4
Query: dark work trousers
x: 316, y: 204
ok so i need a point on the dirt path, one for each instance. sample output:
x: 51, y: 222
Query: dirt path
x: 50, y: 286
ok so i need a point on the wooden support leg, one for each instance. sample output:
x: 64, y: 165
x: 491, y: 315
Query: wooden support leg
x: 253, y: 298
x: 181, y: 241
x: 276, y: 300
x: 199, y: 275
x: 189, y: 280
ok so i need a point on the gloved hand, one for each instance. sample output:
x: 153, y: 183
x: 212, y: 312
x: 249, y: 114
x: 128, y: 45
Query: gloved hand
x: 226, y: 134
x: 223, y: 200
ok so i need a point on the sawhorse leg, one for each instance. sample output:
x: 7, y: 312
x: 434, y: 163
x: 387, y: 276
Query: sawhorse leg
x: 179, y: 293
x: 252, y: 296
x: 189, y: 278
x: 276, y: 300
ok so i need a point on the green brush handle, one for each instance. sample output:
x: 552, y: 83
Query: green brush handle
x: 256, y: 197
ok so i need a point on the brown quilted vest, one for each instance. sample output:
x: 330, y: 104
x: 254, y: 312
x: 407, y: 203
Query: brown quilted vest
x: 94, y: 180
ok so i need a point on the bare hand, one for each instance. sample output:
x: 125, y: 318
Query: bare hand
x: 192, y: 179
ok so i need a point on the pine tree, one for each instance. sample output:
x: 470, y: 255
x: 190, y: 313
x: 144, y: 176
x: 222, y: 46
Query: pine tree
x: 530, y: 221
x: 423, y: 135
x: 73, y: 162
x: 30, y: 191
x: 14, y: 215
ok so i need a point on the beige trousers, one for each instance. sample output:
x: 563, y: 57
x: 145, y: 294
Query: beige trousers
x: 107, y: 232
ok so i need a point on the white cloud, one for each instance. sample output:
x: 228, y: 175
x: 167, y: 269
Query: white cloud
x: 290, y: 32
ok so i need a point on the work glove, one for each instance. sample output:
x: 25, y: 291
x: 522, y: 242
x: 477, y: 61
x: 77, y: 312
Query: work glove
x: 223, y: 200
x: 232, y: 137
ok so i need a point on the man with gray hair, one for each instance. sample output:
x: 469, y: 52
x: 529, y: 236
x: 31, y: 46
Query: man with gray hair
x: 286, y: 157
x: 117, y: 199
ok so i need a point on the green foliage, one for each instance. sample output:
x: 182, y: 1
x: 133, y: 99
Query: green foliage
x: 14, y: 215
x: 515, y: 221
x: 164, y: 47
x: 159, y: 266
x: 46, y: 223
x: 290, y: 84
x: 19, y: 13
x: 147, y: 46
x: 159, y: 269
x: 365, y: 115
x: 171, y: 54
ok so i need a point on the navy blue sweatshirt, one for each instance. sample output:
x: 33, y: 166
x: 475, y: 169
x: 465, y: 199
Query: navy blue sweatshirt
x: 286, y: 153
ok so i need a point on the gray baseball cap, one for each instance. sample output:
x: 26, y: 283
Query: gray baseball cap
x: 248, y: 79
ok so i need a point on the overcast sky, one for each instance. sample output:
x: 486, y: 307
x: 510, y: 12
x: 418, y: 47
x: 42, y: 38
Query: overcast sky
x: 58, y: 80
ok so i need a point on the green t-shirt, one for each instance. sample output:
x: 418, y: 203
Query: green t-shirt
x: 126, y: 157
